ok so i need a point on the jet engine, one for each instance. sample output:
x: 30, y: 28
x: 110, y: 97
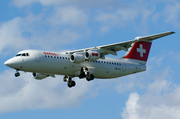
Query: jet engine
x: 77, y: 57
x: 39, y: 76
x: 92, y: 55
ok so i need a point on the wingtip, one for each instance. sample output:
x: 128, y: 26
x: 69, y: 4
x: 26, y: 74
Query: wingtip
x: 172, y: 32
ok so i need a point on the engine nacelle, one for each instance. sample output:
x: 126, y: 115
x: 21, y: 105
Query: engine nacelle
x: 39, y: 76
x: 77, y: 57
x: 92, y: 55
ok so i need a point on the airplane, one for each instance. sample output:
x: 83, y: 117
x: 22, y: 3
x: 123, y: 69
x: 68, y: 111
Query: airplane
x: 86, y: 63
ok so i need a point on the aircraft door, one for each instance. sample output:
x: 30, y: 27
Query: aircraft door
x: 23, y: 59
x: 124, y: 67
x: 37, y: 57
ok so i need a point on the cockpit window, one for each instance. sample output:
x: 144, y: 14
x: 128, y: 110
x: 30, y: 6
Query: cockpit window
x: 24, y: 54
x: 18, y: 55
x: 27, y: 54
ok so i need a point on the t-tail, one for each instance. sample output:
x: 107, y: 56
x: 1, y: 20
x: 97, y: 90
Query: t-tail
x: 140, y: 49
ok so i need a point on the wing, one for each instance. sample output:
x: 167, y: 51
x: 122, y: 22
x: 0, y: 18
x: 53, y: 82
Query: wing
x: 113, y: 48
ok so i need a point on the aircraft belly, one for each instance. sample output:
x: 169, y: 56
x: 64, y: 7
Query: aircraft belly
x: 102, y: 71
x: 61, y: 68
x: 52, y: 67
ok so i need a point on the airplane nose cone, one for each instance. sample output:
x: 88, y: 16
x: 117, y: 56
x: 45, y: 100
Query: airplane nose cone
x: 9, y: 63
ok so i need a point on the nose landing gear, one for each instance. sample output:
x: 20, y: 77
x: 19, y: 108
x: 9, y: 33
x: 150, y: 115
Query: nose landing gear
x: 69, y: 81
x: 17, y: 74
x: 71, y: 84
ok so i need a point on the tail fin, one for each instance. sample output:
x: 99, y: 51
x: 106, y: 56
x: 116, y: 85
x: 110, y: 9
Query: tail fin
x: 139, y: 52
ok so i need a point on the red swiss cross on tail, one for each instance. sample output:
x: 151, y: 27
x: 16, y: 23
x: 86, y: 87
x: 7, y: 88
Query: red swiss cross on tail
x: 139, y: 51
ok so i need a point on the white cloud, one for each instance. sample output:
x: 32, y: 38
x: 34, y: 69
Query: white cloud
x: 108, y: 14
x: 25, y: 92
x: 125, y: 85
x: 154, y: 105
x: 111, y: 13
x: 141, y: 80
x: 175, y: 56
x: 134, y: 14
x: 107, y: 21
x: 130, y: 112
x: 158, y: 96
x: 11, y: 35
x: 160, y: 99
x: 43, y: 31
x: 68, y: 16
x: 53, y: 38
x: 172, y: 13
x: 22, y: 3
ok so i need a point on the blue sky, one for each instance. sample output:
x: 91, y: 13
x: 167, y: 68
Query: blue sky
x: 60, y: 25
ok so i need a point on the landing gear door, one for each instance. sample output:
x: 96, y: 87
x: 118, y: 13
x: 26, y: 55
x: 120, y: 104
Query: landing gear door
x: 37, y: 57
x: 92, y: 70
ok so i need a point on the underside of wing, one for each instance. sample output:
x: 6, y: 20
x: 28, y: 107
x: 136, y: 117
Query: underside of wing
x: 100, y: 51
x: 125, y: 45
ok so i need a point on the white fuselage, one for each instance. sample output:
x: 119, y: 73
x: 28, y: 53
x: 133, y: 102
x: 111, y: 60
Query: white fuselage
x: 59, y: 64
x: 86, y: 63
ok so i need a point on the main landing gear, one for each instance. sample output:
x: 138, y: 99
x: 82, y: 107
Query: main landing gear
x: 83, y: 74
x: 17, y: 74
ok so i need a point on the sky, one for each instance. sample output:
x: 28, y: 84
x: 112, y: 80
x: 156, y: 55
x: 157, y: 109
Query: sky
x: 60, y: 25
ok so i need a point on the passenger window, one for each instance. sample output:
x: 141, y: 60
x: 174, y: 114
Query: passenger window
x: 54, y: 56
x: 57, y: 57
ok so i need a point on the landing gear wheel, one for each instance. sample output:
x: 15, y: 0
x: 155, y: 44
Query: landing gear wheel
x: 71, y: 84
x: 17, y: 74
x: 82, y: 75
x: 90, y: 77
